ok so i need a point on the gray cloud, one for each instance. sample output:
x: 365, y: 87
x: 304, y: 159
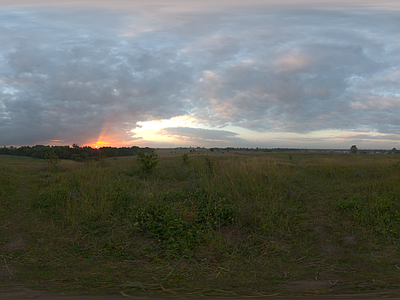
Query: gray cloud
x: 202, y: 136
x: 365, y: 136
x: 71, y: 73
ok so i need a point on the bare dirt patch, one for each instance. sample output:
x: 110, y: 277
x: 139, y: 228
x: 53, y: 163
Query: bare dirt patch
x: 18, y: 292
x: 16, y: 243
x: 331, y: 249
x: 7, y: 271
x: 304, y: 285
x: 350, y: 240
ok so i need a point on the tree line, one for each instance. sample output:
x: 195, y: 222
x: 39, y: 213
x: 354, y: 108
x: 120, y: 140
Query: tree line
x: 75, y: 152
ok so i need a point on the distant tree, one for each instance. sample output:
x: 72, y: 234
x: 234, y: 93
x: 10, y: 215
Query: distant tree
x: 353, y: 149
x: 212, y: 149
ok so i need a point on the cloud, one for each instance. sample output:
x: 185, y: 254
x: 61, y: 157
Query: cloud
x: 79, y: 73
x: 204, y: 136
x: 70, y: 82
x: 365, y: 136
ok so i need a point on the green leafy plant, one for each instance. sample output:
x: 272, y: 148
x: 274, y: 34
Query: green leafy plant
x: 378, y: 212
x: 102, y: 161
x: 185, y: 158
x: 209, y: 166
x: 148, y: 161
x: 182, y: 220
x: 52, y: 157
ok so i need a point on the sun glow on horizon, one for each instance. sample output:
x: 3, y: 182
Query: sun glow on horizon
x: 149, y: 130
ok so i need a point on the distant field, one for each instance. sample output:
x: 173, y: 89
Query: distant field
x: 194, y: 151
x: 216, y: 224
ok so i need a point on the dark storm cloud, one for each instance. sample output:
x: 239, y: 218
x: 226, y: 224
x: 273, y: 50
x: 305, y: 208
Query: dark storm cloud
x: 70, y: 73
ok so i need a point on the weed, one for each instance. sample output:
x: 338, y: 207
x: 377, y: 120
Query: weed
x: 102, y: 161
x: 9, y: 179
x: 180, y: 221
x: 53, y: 158
x: 209, y: 166
x: 191, y: 185
x: 379, y: 213
x: 148, y: 161
x: 185, y: 158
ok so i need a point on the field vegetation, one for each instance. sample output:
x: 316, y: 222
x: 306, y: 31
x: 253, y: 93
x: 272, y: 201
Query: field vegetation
x: 194, y: 224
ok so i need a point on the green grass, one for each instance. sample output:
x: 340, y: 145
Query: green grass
x: 206, y: 225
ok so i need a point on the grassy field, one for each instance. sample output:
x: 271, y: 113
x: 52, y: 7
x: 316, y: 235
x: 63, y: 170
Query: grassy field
x: 218, y: 224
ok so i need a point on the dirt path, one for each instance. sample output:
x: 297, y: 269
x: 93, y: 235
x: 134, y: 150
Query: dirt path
x: 22, y: 293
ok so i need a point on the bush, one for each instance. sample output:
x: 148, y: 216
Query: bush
x: 52, y: 157
x: 148, y: 161
x: 78, y: 159
x: 185, y: 158
x: 181, y: 220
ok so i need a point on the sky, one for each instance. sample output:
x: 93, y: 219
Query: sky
x: 268, y: 74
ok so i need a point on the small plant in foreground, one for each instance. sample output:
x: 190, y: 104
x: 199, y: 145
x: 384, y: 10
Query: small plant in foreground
x: 53, y: 158
x: 102, y: 160
x: 209, y: 165
x: 148, y: 161
x: 180, y: 221
x: 185, y: 158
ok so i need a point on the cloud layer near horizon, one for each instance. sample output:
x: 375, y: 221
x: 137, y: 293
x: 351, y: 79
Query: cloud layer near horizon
x: 73, y: 73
